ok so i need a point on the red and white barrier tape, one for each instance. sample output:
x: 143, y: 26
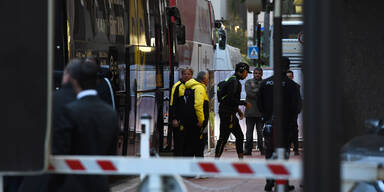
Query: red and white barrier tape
x: 277, y: 169
x: 111, y: 165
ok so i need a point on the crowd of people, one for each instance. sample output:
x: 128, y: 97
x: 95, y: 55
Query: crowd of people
x: 189, y: 119
x: 86, y: 123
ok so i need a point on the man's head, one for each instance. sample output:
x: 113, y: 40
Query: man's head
x: 257, y: 73
x: 242, y: 70
x: 186, y: 74
x: 83, y: 74
x: 203, y: 77
x: 290, y: 74
x: 285, y: 64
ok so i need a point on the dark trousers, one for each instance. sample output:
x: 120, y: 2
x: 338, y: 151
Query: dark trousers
x: 194, y: 146
x: 229, y: 123
x: 178, y: 141
x: 294, y: 135
x: 251, y: 122
x: 270, y: 147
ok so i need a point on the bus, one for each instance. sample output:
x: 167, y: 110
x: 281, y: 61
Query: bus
x: 292, y: 28
x: 136, y: 40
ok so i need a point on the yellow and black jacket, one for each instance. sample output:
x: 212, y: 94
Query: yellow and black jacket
x: 176, y: 98
x: 201, y: 107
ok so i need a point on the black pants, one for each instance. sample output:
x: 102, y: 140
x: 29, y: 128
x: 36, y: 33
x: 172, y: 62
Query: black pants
x: 251, y: 122
x: 294, y: 135
x: 229, y: 123
x: 178, y: 141
x: 194, y: 142
x: 269, y: 146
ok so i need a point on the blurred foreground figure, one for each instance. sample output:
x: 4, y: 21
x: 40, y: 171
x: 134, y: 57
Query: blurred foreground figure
x: 88, y: 126
x: 61, y: 97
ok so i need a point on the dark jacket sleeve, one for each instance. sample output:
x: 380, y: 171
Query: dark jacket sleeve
x: 62, y: 134
x: 104, y: 92
x: 300, y: 101
x: 174, y: 102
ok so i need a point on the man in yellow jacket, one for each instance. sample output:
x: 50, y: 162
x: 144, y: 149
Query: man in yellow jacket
x: 176, y: 108
x: 197, y: 118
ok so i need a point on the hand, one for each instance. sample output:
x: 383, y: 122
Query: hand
x: 241, y: 114
x: 175, y: 123
x: 199, y: 124
x: 248, y: 105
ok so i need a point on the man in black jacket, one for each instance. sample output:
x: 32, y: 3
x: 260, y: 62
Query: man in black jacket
x: 88, y: 126
x: 290, y: 106
x: 61, y: 97
x: 294, y: 133
x: 228, y: 108
x: 176, y: 111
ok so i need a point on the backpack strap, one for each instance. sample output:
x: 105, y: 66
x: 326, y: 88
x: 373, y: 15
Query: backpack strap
x: 227, y: 79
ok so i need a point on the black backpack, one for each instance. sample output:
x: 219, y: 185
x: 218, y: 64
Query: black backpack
x: 222, y: 91
x: 189, y: 106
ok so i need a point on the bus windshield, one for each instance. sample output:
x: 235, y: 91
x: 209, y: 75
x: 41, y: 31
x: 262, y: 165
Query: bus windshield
x: 291, y: 31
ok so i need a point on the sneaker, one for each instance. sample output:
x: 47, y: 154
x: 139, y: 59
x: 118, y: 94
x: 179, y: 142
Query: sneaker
x: 291, y: 187
x: 268, y: 187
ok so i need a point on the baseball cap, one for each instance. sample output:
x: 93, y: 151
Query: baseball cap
x: 242, y: 66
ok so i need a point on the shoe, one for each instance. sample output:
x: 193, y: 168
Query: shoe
x: 268, y: 187
x: 291, y: 187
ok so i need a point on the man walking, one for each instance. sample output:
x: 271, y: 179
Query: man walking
x: 252, y: 114
x: 229, y: 106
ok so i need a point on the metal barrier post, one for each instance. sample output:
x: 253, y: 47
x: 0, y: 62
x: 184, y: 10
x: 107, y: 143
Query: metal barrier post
x: 145, y: 137
x: 280, y: 184
x: 155, y: 183
x: 1, y: 183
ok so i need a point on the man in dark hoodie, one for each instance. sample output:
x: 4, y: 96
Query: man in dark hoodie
x: 228, y: 108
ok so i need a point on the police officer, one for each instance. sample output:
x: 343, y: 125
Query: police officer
x: 290, y: 106
x: 228, y: 108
